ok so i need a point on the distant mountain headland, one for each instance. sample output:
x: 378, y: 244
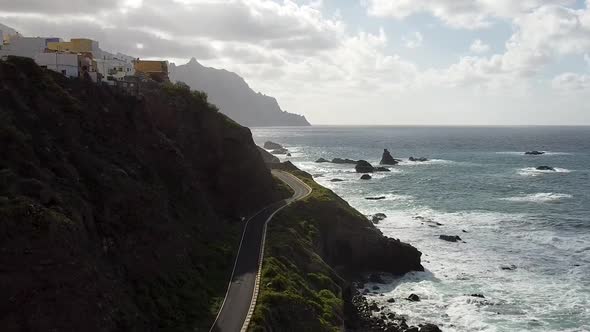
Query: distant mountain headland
x: 82, y: 57
x: 234, y: 97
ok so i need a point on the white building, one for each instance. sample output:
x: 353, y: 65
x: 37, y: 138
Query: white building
x: 114, y: 67
x: 64, y: 63
x: 25, y: 46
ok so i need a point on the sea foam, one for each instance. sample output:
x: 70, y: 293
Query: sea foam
x: 539, y: 198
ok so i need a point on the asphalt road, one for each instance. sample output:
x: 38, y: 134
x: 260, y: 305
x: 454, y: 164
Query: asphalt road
x: 238, y: 298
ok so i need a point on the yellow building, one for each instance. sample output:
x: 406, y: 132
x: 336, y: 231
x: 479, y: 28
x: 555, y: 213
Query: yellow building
x: 75, y: 45
x: 156, y: 70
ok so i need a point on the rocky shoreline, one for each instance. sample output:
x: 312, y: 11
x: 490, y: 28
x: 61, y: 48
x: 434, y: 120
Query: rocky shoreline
x: 368, y: 316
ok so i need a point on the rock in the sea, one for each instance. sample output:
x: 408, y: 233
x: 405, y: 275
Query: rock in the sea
x: 510, y: 267
x: 272, y: 145
x: 363, y: 166
x: 376, y: 218
x: 375, y: 198
x: 430, y: 328
x: 545, y: 168
x: 375, y: 287
x: 478, y: 295
x: 336, y: 180
x: 374, y: 307
x: 280, y: 151
x: 535, y: 152
x: 322, y: 160
x: 366, y: 177
x: 387, y: 159
x: 391, y: 300
x: 343, y: 161
x: 413, y: 297
x: 450, y: 238
x: 421, y: 159
x: 382, y: 169
x: 288, y: 154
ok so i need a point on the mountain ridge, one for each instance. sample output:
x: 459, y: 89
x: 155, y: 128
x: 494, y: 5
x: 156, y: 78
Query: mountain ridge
x: 234, y: 97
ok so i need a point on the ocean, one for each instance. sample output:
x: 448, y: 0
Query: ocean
x: 526, y: 233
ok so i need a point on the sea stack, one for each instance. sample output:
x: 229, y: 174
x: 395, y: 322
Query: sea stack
x: 272, y: 145
x: 363, y: 166
x: 387, y: 159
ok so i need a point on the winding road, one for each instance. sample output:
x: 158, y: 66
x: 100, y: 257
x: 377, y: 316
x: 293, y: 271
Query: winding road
x: 242, y: 291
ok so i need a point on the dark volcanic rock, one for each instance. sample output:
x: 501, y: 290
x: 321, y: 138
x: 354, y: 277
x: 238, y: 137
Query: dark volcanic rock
x: 534, y: 153
x: 450, y: 238
x: 387, y: 159
x: 378, y: 217
x: 336, y: 180
x: 382, y: 169
x: 413, y: 298
x: 430, y: 328
x: 272, y: 145
x: 391, y: 300
x: 288, y: 154
x: 322, y: 160
x: 363, y: 166
x: 366, y: 177
x: 478, y: 295
x: 422, y: 159
x: 343, y: 161
x: 510, y: 267
x: 375, y: 198
x: 545, y: 168
x: 268, y: 157
x: 280, y: 151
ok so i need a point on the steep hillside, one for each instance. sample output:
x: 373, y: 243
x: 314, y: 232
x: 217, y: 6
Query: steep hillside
x: 234, y: 97
x: 118, y: 213
x: 315, y: 248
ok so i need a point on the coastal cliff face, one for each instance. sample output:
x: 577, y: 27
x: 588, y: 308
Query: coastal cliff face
x: 234, y: 97
x: 315, y: 248
x: 118, y: 213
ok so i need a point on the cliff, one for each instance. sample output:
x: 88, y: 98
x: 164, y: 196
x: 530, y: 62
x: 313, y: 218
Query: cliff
x: 116, y: 212
x: 315, y: 248
x: 234, y: 97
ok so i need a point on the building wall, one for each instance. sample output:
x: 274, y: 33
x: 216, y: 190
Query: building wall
x: 24, y: 46
x: 146, y: 66
x: 75, y: 45
x: 60, y: 62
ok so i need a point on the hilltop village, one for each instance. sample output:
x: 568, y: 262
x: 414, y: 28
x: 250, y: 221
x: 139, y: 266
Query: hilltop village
x: 82, y: 57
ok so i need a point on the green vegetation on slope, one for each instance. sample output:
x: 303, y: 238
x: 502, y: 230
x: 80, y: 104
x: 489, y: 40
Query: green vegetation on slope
x: 309, y: 246
x: 118, y: 213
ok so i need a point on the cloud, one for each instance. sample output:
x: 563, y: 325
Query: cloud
x: 479, y: 47
x: 569, y: 82
x: 465, y: 14
x: 59, y: 6
x: 414, y: 40
x: 539, y: 38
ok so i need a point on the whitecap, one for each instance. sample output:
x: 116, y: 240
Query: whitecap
x: 407, y: 162
x: 532, y: 171
x: 539, y: 198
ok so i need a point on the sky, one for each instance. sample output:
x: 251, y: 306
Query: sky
x: 358, y: 62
